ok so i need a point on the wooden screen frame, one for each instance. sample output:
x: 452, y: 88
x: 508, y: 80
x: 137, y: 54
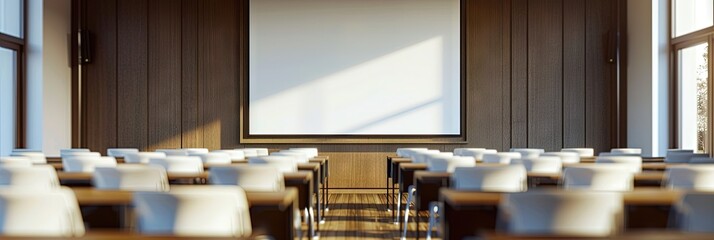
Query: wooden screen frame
x: 247, y: 138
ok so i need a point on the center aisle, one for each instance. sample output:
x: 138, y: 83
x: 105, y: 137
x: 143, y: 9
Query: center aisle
x: 361, y: 216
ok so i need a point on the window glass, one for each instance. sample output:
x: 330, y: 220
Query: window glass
x: 8, y: 104
x: 693, y: 76
x: 11, y: 17
x: 691, y: 15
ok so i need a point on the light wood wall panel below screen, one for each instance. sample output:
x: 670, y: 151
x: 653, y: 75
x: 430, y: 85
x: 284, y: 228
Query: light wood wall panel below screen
x: 166, y: 74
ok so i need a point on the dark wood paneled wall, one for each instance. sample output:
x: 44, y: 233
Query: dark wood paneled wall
x: 165, y: 74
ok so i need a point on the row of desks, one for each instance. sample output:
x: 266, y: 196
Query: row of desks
x: 404, y: 173
x: 271, y: 213
x: 310, y: 183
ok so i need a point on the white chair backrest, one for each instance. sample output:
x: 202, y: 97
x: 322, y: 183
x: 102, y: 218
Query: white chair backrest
x: 235, y: 155
x: 26, y: 150
x: 131, y: 177
x: 213, y: 157
x: 422, y: 157
x: 678, y: 156
x: 81, y: 154
x: 637, y: 151
x: 634, y: 163
x: 35, y: 177
x: 598, y: 177
x: 566, y: 157
x: 196, y: 150
x: 300, y: 156
x: 572, y: 213
x: 695, y: 212
x: 583, y: 152
x: 528, y: 152
x: 259, y: 151
x: 476, y: 153
x: 86, y: 163
x: 410, y: 152
x: 142, y: 157
x: 460, y: 151
x: 120, y: 152
x: 40, y: 213
x: 448, y: 163
x: 173, y: 152
x: 701, y: 159
x: 403, y: 152
x: 501, y: 157
x: 311, y: 152
x: 698, y: 177
x: 179, y: 164
x: 282, y: 163
x: 248, y: 153
x: 197, y: 211
x: 251, y: 177
x: 35, y: 157
x: 65, y: 151
x: 15, y: 161
x: 542, y: 164
x: 491, y: 178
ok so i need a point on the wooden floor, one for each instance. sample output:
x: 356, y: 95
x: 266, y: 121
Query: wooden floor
x: 363, y: 216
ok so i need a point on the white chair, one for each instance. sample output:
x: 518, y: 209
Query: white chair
x: 142, y: 157
x: 598, y: 177
x: 311, y: 152
x: 190, y: 151
x: 173, y: 152
x: 634, y: 163
x: 179, y: 164
x: 80, y: 154
x: 701, y: 160
x: 490, y: 178
x: 583, y: 152
x: 300, y: 156
x: 213, y: 158
x: 501, y: 157
x: 693, y: 177
x: 459, y: 151
x: 120, y: 152
x: 566, y: 157
x: 542, y: 164
x: 196, y: 211
x: 695, y: 212
x: 679, y: 156
x: 476, y: 153
x: 40, y: 213
x: 259, y: 151
x: 410, y: 153
x: 282, y: 163
x: 235, y: 155
x: 131, y: 177
x: 637, y: 151
x: 572, y: 213
x: 66, y: 151
x: 248, y: 153
x: 35, y: 157
x: 486, y: 178
x: 26, y: 150
x: 15, y: 162
x: 422, y: 157
x: 252, y: 178
x: 39, y: 177
x: 403, y: 152
x: 528, y: 152
x: 86, y: 163
x: 448, y: 163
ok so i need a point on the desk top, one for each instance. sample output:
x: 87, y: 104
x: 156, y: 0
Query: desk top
x: 642, y: 176
x: 638, y: 196
x: 83, y: 176
x: 93, y: 196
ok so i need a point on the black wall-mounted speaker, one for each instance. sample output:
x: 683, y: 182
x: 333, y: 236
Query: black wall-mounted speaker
x: 86, y: 45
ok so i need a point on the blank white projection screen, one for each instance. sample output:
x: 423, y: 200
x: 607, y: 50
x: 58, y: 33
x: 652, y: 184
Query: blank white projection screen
x: 354, y: 67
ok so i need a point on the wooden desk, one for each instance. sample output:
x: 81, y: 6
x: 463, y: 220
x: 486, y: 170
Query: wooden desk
x: 271, y: 213
x: 120, y: 234
x: 324, y: 173
x: 464, y: 212
x: 396, y: 163
x: 85, y: 176
x: 630, y: 235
